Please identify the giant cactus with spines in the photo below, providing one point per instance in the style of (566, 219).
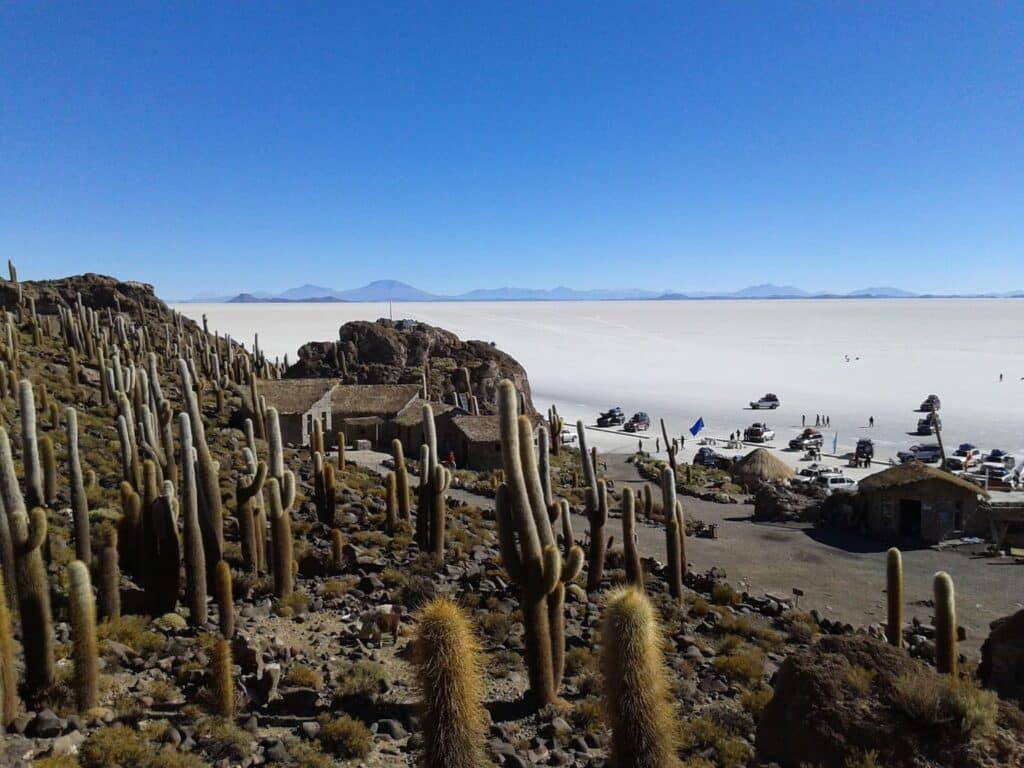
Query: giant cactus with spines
(586, 459)
(556, 423)
(530, 553)
(48, 457)
(34, 495)
(246, 493)
(674, 569)
(195, 555)
(82, 613)
(946, 655)
(391, 503)
(28, 534)
(109, 588)
(634, 570)
(544, 465)
(401, 479)
(449, 671)
(225, 601)
(597, 516)
(129, 529)
(211, 517)
(8, 672)
(434, 482)
(79, 500)
(894, 597)
(636, 684)
(163, 554)
(281, 536)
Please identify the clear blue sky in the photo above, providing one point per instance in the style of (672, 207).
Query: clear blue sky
(225, 147)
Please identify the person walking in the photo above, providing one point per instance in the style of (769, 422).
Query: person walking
(871, 421)
(803, 420)
(817, 420)
(657, 445)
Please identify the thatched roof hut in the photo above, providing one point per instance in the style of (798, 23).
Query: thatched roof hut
(761, 465)
(915, 472)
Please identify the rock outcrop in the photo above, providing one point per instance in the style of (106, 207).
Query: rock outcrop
(1002, 657)
(396, 352)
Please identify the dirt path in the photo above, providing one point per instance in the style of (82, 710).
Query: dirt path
(842, 576)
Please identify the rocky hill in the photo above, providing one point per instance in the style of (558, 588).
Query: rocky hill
(398, 352)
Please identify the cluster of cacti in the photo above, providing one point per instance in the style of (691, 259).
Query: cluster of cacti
(450, 676)
(529, 551)
(946, 655)
(556, 423)
(637, 691)
(465, 383)
(434, 481)
(894, 597)
(324, 488)
(280, 489)
(249, 511)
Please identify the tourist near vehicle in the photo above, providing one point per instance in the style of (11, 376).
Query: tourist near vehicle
(812, 472)
(964, 457)
(769, 401)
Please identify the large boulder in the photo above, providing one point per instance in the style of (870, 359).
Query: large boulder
(850, 696)
(778, 503)
(1002, 657)
(396, 352)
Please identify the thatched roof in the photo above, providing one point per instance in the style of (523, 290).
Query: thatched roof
(478, 429)
(355, 400)
(412, 414)
(915, 472)
(290, 396)
(762, 464)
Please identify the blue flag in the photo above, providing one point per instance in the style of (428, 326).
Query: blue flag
(697, 426)
(835, 442)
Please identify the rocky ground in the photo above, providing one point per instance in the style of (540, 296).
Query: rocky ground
(316, 685)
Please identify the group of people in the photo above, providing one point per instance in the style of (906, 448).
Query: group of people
(819, 420)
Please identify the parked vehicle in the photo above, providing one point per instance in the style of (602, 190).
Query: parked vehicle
(812, 472)
(927, 425)
(638, 423)
(926, 453)
(706, 457)
(568, 436)
(611, 418)
(997, 458)
(994, 475)
(964, 457)
(758, 433)
(833, 483)
(931, 404)
(809, 438)
(865, 450)
(770, 401)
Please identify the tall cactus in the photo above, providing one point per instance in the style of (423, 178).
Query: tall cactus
(391, 503)
(82, 612)
(129, 530)
(597, 515)
(225, 601)
(163, 554)
(634, 571)
(223, 680)
(434, 482)
(211, 516)
(34, 496)
(529, 551)
(246, 492)
(281, 535)
(450, 676)
(8, 673)
(28, 533)
(325, 490)
(946, 655)
(894, 597)
(79, 500)
(556, 423)
(195, 555)
(674, 569)
(636, 685)
(401, 479)
(109, 590)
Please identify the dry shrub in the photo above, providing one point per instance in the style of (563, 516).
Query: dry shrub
(345, 737)
(937, 700)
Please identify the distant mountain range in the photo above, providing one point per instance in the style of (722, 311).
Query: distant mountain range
(395, 290)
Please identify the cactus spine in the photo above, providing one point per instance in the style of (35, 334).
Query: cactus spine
(337, 549)
(401, 479)
(529, 551)
(894, 597)
(636, 686)
(82, 611)
(674, 570)
(195, 554)
(79, 501)
(946, 656)
(450, 677)
(110, 577)
(8, 673)
(634, 571)
(225, 601)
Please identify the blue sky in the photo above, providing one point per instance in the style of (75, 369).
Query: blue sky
(224, 147)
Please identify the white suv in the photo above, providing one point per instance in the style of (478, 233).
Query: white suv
(837, 483)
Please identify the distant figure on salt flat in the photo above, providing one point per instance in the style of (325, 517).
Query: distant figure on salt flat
(803, 420)
(1000, 378)
(871, 421)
